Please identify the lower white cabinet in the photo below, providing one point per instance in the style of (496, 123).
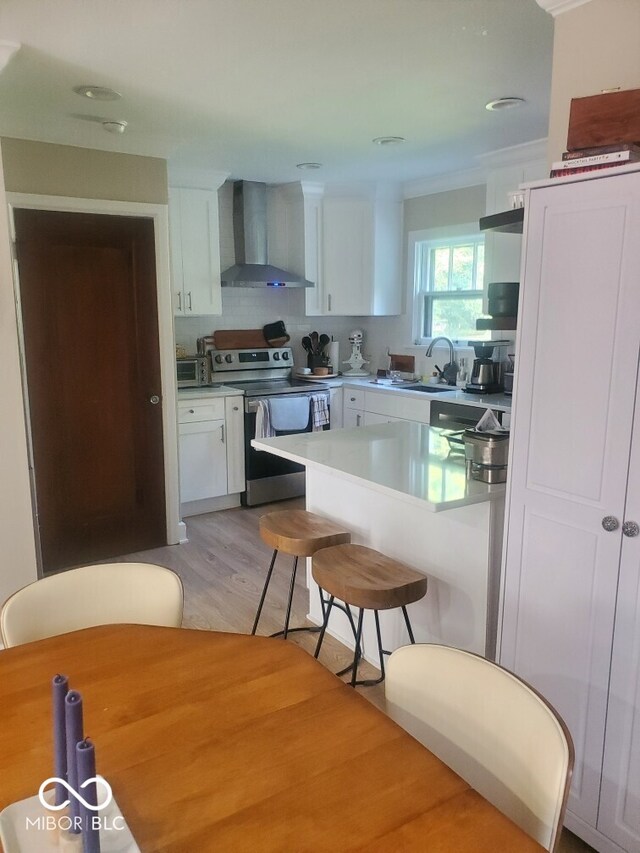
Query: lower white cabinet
(211, 450)
(370, 418)
(352, 418)
(363, 407)
(336, 407)
(203, 460)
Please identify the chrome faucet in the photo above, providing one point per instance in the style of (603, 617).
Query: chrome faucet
(450, 371)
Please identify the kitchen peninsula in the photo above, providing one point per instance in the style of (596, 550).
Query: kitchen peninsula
(400, 489)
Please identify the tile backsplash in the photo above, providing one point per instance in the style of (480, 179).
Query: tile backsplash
(253, 308)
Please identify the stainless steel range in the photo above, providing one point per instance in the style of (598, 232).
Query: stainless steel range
(265, 375)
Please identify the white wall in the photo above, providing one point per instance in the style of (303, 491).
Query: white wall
(18, 560)
(596, 46)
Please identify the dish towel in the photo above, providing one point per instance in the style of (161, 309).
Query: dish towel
(289, 413)
(319, 411)
(263, 421)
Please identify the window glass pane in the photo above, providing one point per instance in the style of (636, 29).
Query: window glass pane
(456, 318)
(480, 268)
(440, 259)
(462, 268)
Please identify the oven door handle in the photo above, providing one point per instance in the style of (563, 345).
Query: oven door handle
(252, 405)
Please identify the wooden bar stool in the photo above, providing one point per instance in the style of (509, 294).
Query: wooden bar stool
(301, 534)
(369, 580)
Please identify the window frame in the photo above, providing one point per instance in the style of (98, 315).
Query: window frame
(451, 236)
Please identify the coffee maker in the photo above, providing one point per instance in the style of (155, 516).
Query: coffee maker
(485, 374)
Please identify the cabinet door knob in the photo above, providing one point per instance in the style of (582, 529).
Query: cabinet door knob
(235, 408)
(192, 411)
(610, 523)
(154, 399)
(630, 528)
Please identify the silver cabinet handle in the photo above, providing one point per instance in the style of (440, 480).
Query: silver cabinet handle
(222, 433)
(358, 417)
(610, 523)
(189, 295)
(192, 411)
(154, 399)
(329, 302)
(179, 300)
(630, 528)
(352, 399)
(235, 408)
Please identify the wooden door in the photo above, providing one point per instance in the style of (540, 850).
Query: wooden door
(579, 334)
(89, 312)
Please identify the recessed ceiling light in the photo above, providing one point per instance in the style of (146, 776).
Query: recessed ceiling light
(388, 140)
(309, 166)
(97, 93)
(114, 126)
(504, 104)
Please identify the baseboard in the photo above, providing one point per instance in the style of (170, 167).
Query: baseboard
(209, 505)
(592, 837)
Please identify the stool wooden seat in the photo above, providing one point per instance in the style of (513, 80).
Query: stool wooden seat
(364, 578)
(301, 534)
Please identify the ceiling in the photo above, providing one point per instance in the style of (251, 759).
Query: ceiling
(253, 87)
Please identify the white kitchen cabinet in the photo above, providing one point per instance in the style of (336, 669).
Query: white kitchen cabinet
(360, 257)
(336, 397)
(370, 418)
(234, 420)
(195, 251)
(352, 418)
(570, 597)
(211, 452)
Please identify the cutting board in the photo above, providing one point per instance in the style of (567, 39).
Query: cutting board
(403, 363)
(238, 339)
(245, 339)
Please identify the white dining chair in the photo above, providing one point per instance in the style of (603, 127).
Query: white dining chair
(108, 593)
(490, 727)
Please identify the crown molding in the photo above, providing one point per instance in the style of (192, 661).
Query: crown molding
(444, 183)
(557, 7)
(515, 155)
(204, 179)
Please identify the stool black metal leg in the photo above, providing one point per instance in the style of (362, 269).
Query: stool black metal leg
(289, 603)
(325, 622)
(347, 610)
(380, 649)
(356, 654)
(264, 592)
(408, 624)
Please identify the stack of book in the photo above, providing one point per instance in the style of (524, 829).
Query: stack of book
(591, 159)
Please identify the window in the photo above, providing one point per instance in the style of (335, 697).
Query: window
(448, 286)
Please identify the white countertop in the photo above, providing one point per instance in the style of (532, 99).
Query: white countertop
(500, 402)
(403, 459)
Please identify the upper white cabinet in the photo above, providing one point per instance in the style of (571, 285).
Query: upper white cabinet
(195, 251)
(348, 244)
(571, 579)
(360, 256)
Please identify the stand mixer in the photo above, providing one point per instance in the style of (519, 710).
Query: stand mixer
(356, 360)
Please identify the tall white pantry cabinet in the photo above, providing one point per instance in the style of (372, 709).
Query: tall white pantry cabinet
(571, 576)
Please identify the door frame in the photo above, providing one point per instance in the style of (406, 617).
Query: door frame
(159, 213)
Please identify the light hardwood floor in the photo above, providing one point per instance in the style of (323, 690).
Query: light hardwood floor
(223, 567)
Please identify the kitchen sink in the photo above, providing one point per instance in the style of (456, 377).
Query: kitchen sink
(430, 389)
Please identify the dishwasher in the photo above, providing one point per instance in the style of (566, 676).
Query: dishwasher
(458, 416)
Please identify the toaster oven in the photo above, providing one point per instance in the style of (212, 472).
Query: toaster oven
(193, 371)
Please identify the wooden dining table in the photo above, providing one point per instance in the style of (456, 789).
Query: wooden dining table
(227, 742)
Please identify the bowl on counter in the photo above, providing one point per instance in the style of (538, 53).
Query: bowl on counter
(320, 371)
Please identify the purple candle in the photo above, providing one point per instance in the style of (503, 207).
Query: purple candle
(86, 763)
(59, 689)
(73, 720)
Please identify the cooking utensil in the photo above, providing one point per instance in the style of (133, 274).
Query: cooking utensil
(306, 343)
(324, 340)
(314, 342)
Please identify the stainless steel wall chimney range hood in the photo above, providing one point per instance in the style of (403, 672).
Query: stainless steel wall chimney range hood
(250, 239)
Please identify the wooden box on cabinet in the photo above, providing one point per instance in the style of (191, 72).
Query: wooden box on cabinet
(606, 119)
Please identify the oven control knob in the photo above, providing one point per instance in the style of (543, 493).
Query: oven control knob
(285, 356)
(228, 358)
(218, 359)
(276, 356)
